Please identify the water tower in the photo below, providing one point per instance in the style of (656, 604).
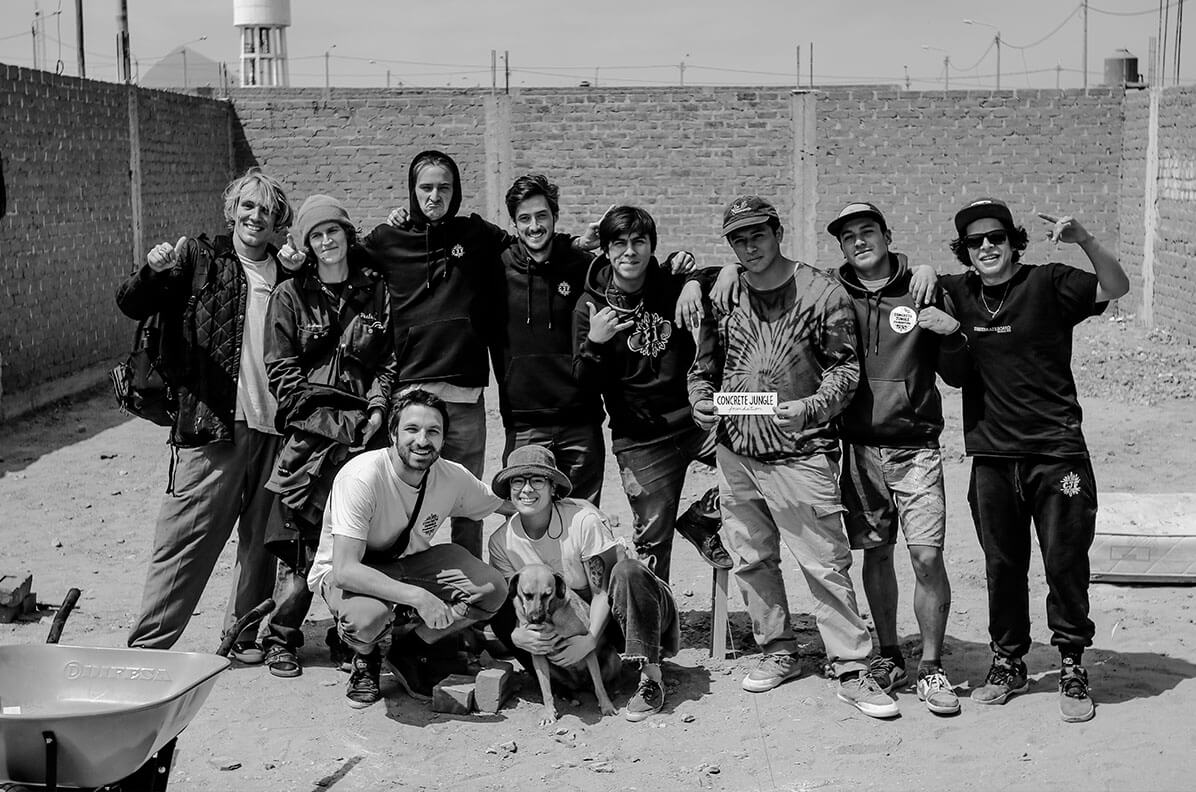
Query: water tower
(263, 25)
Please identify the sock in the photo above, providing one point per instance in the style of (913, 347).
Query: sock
(894, 654)
(928, 665)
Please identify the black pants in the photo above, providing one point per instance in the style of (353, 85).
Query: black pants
(1059, 495)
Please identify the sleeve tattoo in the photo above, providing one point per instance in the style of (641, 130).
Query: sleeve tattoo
(596, 569)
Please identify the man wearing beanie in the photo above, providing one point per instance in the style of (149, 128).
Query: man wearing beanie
(792, 337)
(1021, 423)
(892, 470)
(212, 298)
(330, 362)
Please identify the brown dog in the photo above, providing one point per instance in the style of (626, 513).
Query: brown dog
(541, 597)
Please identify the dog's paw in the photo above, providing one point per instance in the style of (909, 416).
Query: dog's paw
(606, 707)
(549, 717)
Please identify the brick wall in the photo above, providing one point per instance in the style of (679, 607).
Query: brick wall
(67, 238)
(1132, 197)
(1175, 237)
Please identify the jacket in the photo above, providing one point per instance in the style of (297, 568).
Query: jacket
(532, 353)
(311, 340)
(641, 371)
(442, 278)
(897, 403)
(798, 341)
(201, 333)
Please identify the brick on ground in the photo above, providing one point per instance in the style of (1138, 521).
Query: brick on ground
(454, 695)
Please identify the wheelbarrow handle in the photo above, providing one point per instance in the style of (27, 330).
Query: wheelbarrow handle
(64, 610)
(230, 635)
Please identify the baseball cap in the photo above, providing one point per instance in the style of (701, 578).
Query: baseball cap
(748, 210)
(851, 212)
(980, 208)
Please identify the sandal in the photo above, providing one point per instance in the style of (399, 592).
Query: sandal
(283, 662)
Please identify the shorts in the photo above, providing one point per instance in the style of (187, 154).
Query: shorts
(885, 487)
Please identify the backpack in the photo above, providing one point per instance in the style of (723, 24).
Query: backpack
(140, 383)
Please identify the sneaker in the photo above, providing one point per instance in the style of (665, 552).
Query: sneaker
(363, 688)
(888, 673)
(699, 525)
(247, 652)
(1005, 679)
(1075, 700)
(772, 670)
(935, 689)
(865, 694)
(648, 700)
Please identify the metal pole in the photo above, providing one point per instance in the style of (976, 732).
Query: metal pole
(185, 86)
(388, 79)
(327, 83)
(33, 32)
(998, 60)
(79, 36)
(906, 77)
(493, 71)
(506, 64)
(811, 64)
(797, 69)
(946, 72)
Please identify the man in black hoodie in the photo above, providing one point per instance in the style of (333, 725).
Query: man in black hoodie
(626, 347)
(892, 470)
(532, 352)
(440, 269)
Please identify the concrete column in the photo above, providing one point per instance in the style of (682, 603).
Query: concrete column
(500, 156)
(1150, 210)
(135, 177)
(801, 226)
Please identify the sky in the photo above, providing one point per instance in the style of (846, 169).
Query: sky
(630, 42)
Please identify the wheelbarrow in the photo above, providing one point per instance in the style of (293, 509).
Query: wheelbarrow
(97, 718)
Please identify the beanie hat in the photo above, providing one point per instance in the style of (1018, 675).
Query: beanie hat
(319, 209)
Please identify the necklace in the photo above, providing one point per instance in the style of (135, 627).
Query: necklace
(992, 312)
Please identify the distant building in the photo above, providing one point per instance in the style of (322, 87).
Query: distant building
(263, 25)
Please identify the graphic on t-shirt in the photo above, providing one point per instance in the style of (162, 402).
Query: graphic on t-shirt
(564, 289)
(650, 335)
(428, 526)
(458, 251)
(903, 319)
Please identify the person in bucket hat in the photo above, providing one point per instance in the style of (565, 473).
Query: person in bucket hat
(631, 610)
(1022, 429)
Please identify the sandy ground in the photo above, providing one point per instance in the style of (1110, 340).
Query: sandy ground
(80, 484)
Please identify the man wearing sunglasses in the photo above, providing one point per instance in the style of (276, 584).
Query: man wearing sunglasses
(1022, 429)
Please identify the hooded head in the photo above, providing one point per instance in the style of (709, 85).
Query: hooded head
(434, 184)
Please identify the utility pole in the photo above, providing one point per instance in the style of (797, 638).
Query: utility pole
(506, 64)
(185, 85)
(998, 40)
(388, 79)
(79, 36)
(33, 32)
(811, 65)
(122, 43)
(946, 72)
(327, 73)
(797, 69)
(1085, 5)
(906, 67)
(682, 68)
(493, 71)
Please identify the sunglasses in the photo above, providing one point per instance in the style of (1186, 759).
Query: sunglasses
(995, 238)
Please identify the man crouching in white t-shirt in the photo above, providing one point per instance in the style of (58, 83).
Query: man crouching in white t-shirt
(375, 549)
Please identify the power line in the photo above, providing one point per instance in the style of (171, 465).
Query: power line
(1058, 27)
(1136, 13)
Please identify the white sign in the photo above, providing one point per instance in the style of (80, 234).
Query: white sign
(745, 403)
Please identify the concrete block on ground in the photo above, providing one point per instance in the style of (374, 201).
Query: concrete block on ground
(493, 687)
(454, 695)
(16, 596)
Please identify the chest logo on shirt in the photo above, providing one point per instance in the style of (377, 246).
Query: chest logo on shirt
(1069, 485)
(458, 251)
(428, 526)
(650, 335)
(564, 289)
(903, 319)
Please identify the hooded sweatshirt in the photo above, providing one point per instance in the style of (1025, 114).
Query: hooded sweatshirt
(641, 371)
(896, 404)
(442, 277)
(533, 352)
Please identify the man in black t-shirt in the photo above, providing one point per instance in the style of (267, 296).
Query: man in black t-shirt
(1022, 429)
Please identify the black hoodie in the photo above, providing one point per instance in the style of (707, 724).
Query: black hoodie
(442, 278)
(897, 403)
(533, 352)
(642, 376)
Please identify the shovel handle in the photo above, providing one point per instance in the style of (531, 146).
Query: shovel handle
(231, 634)
(64, 610)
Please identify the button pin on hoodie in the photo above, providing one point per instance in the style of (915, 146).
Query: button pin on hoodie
(903, 319)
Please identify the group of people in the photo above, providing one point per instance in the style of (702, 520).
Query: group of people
(330, 405)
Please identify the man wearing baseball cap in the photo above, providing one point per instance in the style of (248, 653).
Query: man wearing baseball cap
(792, 338)
(1022, 429)
(892, 469)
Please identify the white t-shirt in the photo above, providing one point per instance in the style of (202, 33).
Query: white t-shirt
(584, 532)
(370, 502)
(255, 405)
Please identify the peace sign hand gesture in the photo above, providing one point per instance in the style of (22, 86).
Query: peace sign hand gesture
(1065, 229)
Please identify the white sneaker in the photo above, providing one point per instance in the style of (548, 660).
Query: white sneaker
(935, 689)
(772, 670)
(866, 695)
